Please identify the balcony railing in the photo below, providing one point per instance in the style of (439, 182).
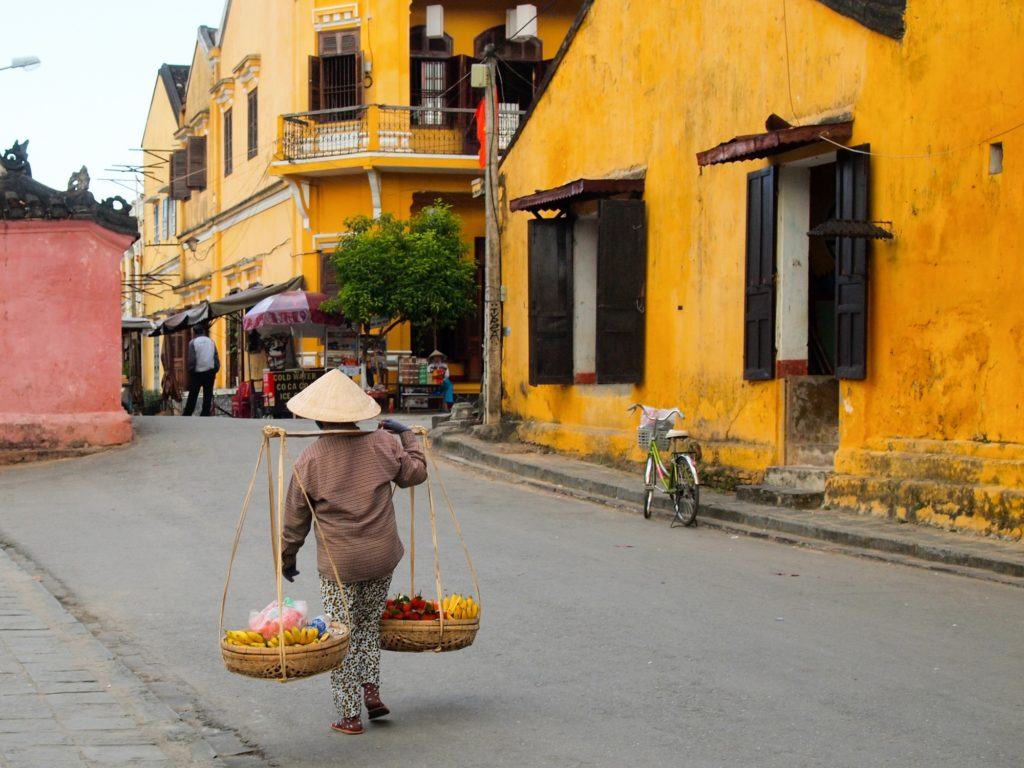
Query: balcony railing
(328, 133)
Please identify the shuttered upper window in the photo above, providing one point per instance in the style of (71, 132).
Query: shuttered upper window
(228, 142)
(195, 154)
(252, 132)
(179, 175)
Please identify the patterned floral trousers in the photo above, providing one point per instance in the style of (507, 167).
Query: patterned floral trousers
(365, 600)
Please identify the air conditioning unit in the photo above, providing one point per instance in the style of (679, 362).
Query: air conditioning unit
(521, 22)
(435, 21)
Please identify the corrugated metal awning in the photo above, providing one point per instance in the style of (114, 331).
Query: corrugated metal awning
(780, 137)
(250, 297)
(863, 230)
(574, 192)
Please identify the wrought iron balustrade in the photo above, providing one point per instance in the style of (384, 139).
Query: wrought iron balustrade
(425, 130)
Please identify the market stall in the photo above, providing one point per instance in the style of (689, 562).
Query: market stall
(281, 321)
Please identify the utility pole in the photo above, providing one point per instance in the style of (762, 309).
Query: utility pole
(493, 328)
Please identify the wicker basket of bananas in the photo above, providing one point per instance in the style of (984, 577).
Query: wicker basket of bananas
(413, 624)
(306, 651)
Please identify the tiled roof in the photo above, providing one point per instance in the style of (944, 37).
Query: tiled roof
(175, 78)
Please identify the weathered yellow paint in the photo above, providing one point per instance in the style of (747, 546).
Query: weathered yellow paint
(156, 258)
(248, 225)
(946, 328)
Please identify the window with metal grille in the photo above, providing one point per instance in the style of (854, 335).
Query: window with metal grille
(432, 87)
(339, 82)
(228, 142)
(253, 132)
(156, 222)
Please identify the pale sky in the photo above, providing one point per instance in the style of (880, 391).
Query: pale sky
(86, 103)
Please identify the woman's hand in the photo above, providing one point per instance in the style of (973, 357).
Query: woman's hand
(290, 572)
(393, 426)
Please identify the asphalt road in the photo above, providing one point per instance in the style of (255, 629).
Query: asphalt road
(606, 640)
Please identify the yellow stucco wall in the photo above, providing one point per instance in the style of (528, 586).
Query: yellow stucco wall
(946, 333)
(247, 225)
(161, 124)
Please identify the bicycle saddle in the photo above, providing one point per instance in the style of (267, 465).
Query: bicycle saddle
(677, 433)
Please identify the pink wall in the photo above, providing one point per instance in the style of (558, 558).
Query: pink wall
(60, 336)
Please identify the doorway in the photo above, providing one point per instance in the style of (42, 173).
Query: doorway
(806, 311)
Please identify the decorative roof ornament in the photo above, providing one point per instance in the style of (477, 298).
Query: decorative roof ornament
(15, 159)
(23, 198)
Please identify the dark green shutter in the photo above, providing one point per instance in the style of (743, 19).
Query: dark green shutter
(551, 300)
(179, 175)
(621, 287)
(195, 152)
(852, 203)
(759, 294)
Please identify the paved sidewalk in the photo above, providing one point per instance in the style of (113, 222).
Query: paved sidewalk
(863, 535)
(64, 702)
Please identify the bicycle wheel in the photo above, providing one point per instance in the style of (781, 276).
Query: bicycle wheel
(649, 475)
(686, 496)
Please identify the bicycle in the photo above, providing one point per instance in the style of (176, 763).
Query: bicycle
(679, 477)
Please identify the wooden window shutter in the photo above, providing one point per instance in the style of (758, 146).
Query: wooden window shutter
(229, 142)
(415, 82)
(852, 203)
(550, 301)
(358, 57)
(328, 276)
(621, 291)
(252, 122)
(195, 151)
(338, 42)
(315, 90)
(759, 294)
(179, 174)
(454, 68)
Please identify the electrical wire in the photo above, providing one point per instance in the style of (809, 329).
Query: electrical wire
(924, 155)
(545, 9)
(510, 69)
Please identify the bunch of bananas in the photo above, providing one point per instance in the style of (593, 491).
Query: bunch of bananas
(459, 607)
(294, 636)
(245, 637)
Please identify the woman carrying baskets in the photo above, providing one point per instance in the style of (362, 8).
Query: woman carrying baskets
(347, 478)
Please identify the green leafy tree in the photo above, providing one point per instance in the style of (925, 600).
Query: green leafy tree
(395, 271)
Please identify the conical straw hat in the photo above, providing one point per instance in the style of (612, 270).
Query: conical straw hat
(334, 397)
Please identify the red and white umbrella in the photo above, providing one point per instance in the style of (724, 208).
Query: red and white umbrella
(295, 312)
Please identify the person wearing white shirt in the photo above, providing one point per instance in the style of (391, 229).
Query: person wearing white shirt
(203, 364)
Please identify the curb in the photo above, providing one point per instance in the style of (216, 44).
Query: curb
(732, 516)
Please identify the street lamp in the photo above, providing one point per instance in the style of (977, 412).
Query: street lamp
(23, 62)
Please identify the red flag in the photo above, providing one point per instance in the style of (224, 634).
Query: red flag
(481, 131)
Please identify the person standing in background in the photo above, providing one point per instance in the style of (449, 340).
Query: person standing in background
(202, 364)
(437, 365)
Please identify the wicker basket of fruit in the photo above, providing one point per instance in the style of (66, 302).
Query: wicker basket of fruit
(307, 652)
(416, 625)
(279, 643)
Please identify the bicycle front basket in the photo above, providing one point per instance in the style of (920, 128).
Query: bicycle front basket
(657, 432)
